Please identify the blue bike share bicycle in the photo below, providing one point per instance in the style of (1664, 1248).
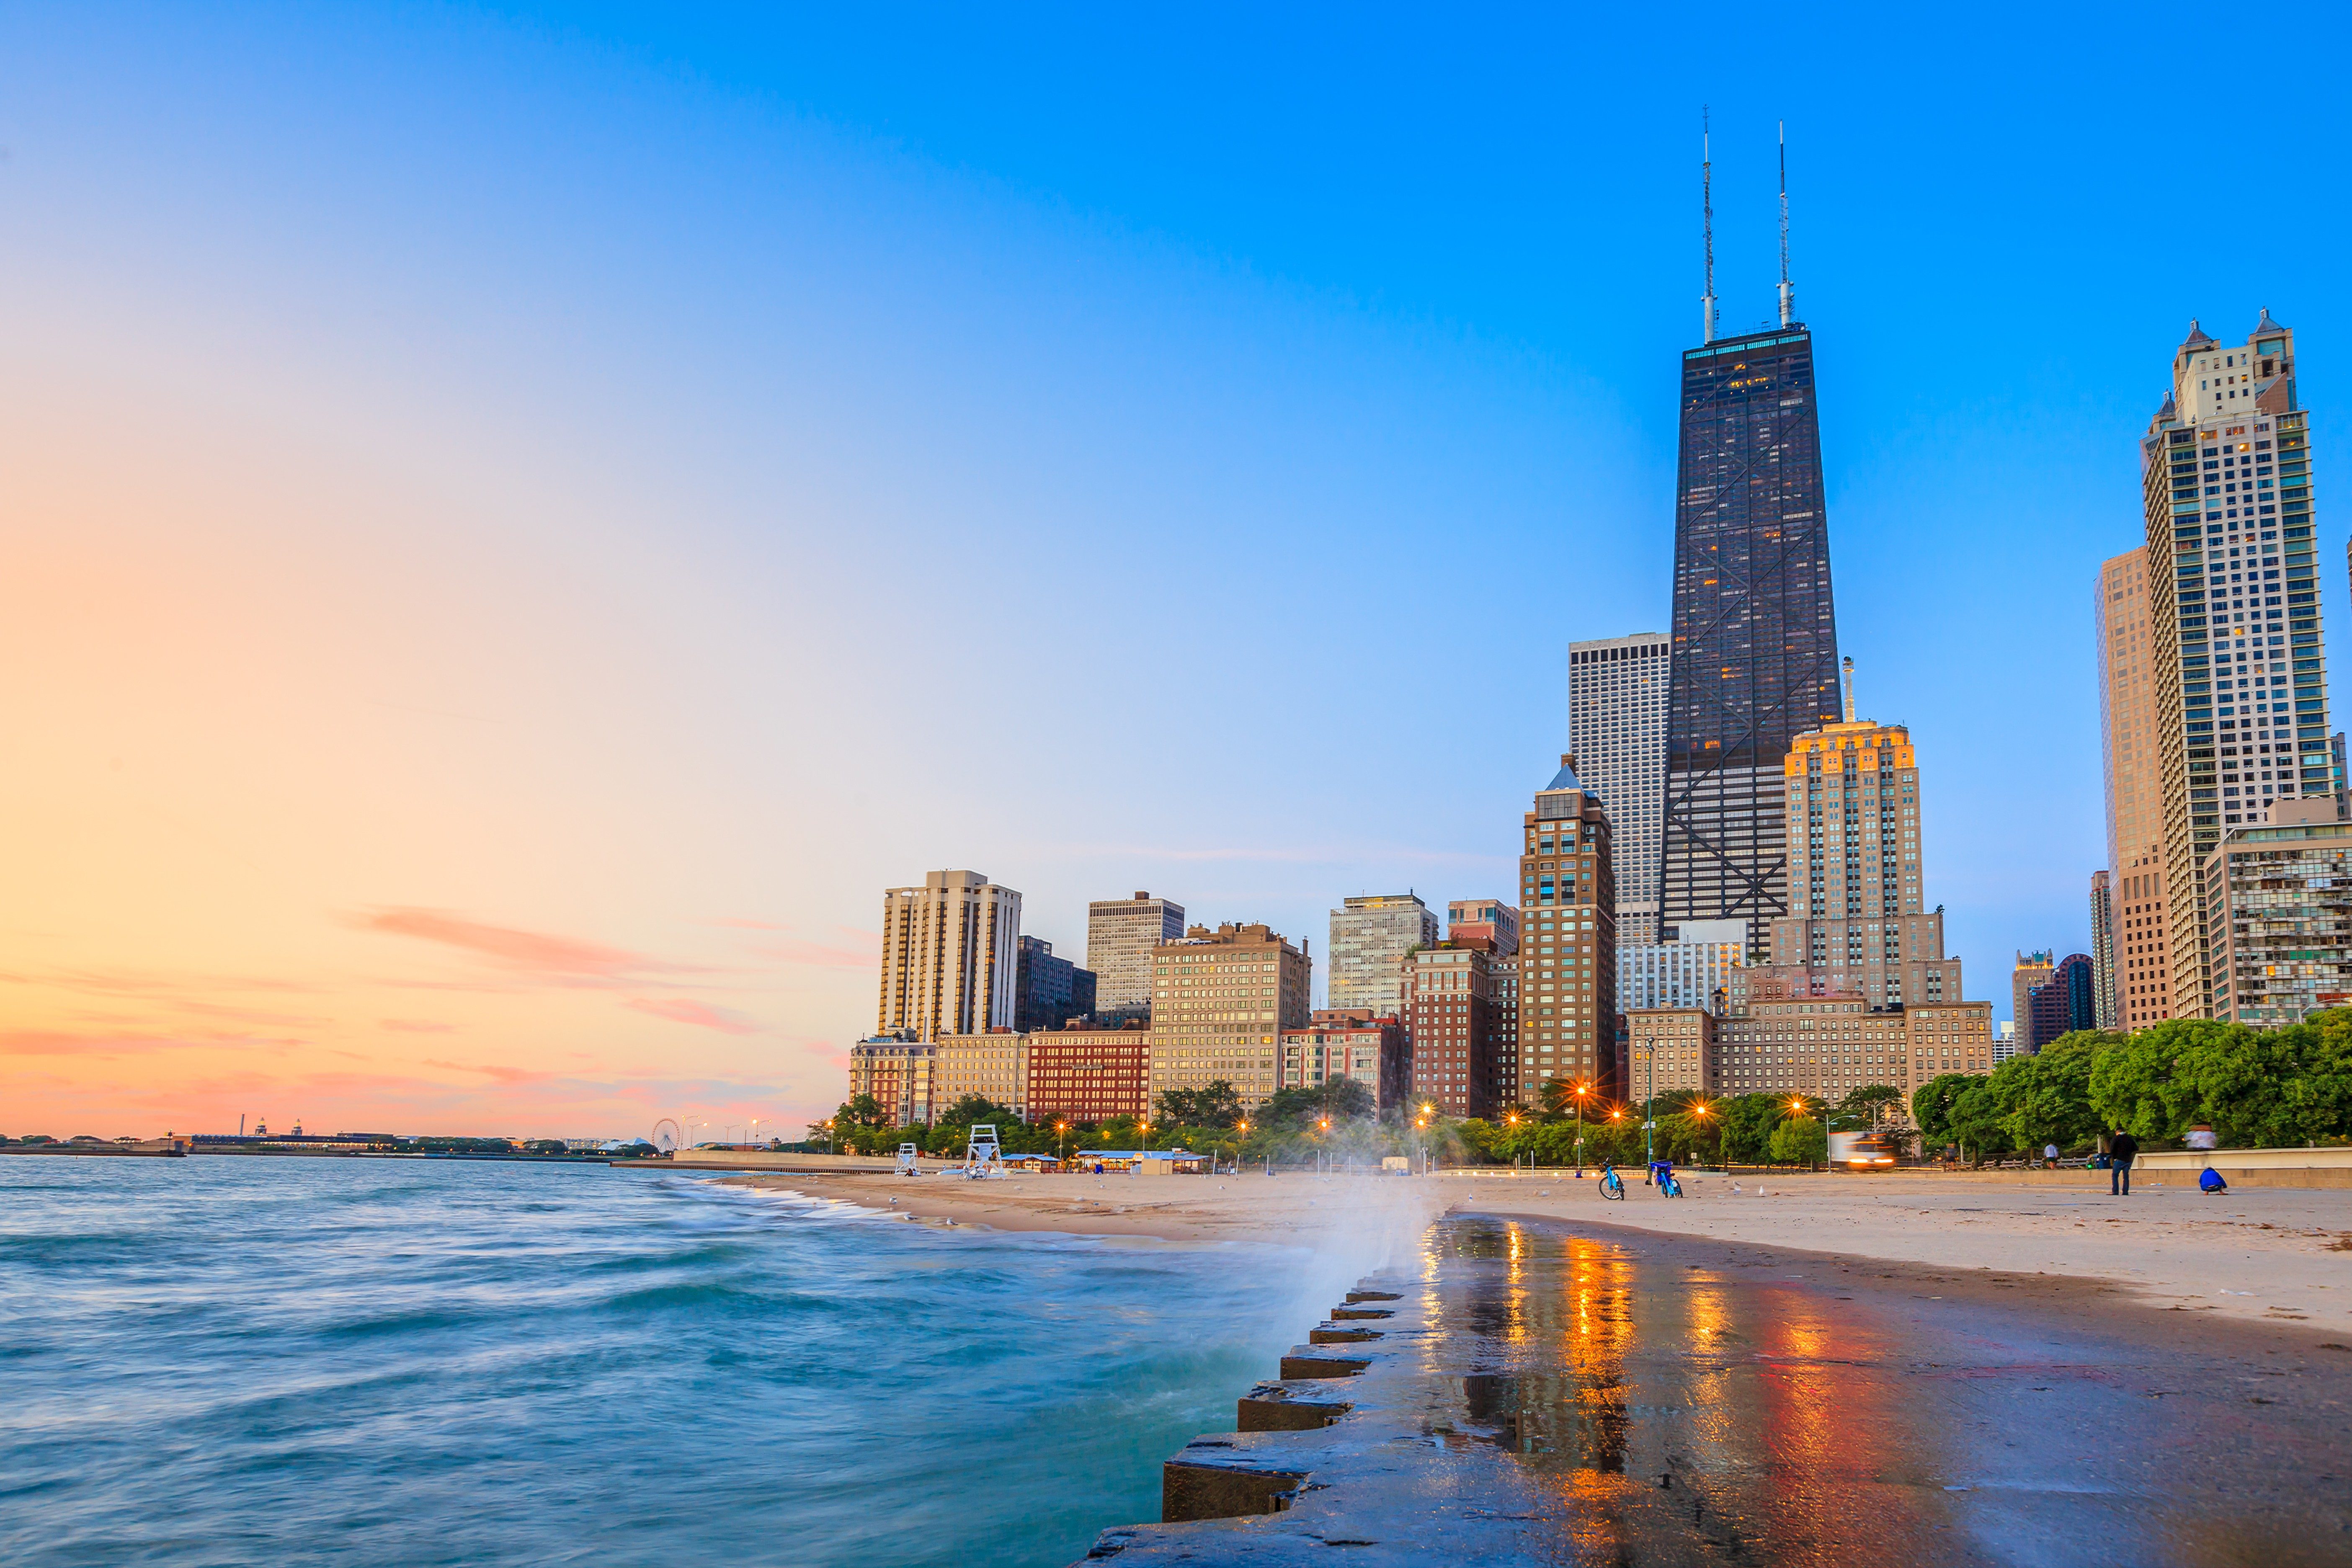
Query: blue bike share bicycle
(1613, 1185)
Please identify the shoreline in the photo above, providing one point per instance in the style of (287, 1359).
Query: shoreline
(2273, 1255)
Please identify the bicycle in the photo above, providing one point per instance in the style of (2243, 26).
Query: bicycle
(1613, 1185)
(1670, 1186)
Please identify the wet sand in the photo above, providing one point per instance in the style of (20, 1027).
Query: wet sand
(2280, 1256)
(1550, 1391)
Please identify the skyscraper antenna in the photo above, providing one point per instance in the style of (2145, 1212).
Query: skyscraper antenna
(1788, 293)
(1706, 198)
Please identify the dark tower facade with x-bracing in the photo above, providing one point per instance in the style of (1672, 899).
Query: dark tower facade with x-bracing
(1755, 634)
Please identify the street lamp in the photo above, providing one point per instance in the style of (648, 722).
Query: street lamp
(1581, 1090)
(1061, 1136)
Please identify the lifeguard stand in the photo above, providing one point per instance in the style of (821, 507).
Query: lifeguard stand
(983, 1158)
(907, 1165)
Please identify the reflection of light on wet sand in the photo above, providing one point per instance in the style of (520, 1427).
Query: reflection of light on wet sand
(1623, 1374)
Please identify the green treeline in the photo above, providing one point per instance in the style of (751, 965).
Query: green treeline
(2257, 1089)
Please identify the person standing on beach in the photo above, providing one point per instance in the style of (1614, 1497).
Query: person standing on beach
(2121, 1147)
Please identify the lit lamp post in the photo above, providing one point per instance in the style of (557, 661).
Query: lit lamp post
(1242, 1127)
(1581, 1090)
(1650, 1115)
(1061, 1137)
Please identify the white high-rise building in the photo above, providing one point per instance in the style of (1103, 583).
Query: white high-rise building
(1691, 971)
(1121, 935)
(2239, 676)
(1369, 938)
(1617, 733)
(950, 956)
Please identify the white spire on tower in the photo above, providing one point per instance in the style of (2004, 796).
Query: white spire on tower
(1787, 289)
(1706, 198)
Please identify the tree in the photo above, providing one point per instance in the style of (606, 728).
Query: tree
(1336, 1100)
(1931, 1105)
(973, 1110)
(1219, 1104)
(2046, 1097)
(1747, 1122)
(1688, 1124)
(1559, 1096)
(1801, 1140)
(1866, 1106)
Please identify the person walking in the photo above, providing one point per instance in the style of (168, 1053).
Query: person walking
(2121, 1147)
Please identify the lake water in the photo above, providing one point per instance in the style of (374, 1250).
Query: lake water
(236, 1360)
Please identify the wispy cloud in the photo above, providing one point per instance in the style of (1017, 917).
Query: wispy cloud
(552, 958)
(679, 1010)
(817, 955)
(493, 1071)
(127, 1042)
(415, 1026)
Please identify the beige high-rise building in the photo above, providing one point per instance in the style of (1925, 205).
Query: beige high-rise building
(1219, 1001)
(994, 1066)
(1822, 1046)
(2237, 671)
(1369, 937)
(950, 956)
(1858, 923)
(2127, 634)
(1670, 1048)
(1122, 934)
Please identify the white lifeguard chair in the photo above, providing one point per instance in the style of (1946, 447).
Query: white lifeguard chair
(983, 1157)
(907, 1165)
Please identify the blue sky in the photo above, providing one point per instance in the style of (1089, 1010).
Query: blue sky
(653, 470)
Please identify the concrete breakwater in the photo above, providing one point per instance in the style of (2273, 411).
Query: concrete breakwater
(1350, 1446)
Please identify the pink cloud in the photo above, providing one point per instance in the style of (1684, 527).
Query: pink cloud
(553, 957)
(678, 1010)
(818, 956)
(120, 1042)
(61, 1043)
(415, 1026)
(494, 1072)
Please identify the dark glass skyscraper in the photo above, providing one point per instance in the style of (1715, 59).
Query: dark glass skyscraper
(1755, 635)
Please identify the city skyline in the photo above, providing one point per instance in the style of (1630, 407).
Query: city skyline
(458, 468)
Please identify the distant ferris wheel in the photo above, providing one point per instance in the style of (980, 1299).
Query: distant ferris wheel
(667, 1136)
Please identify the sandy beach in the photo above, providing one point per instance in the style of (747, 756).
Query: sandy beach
(2275, 1255)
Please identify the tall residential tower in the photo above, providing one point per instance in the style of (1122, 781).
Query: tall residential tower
(2239, 667)
(950, 955)
(1617, 730)
(1568, 940)
(2120, 613)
